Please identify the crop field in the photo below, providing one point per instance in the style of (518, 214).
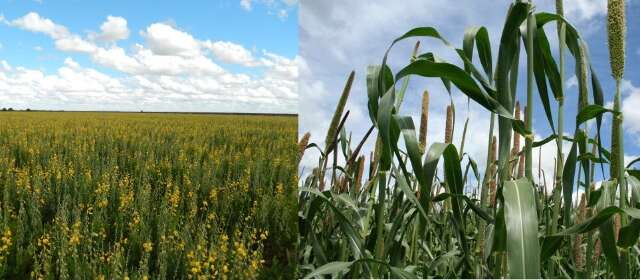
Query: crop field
(413, 206)
(147, 196)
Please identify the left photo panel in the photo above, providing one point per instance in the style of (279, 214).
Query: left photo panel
(148, 140)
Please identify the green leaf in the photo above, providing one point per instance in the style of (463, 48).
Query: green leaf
(629, 234)
(481, 38)
(329, 268)
(400, 273)
(523, 249)
(344, 222)
(385, 112)
(590, 112)
(519, 127)
(568, 177)
(507, 59)
(540, 77)
(458, 77)
(373, 94)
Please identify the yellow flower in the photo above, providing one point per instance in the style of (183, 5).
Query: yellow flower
(147, 246)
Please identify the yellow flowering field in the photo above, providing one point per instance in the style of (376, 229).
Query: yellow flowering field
(147, 196)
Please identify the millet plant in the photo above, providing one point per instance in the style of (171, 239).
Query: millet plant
(408, 216)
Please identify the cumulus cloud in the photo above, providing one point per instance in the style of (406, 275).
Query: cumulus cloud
(89, 88)
(164, 39)
(231, 53)
(33, 22)
(171, 67)
(115, 28)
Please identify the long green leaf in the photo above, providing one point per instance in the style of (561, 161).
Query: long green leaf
(523, 249)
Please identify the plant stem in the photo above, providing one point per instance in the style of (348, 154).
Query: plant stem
(619, 138)
(380, 217)
(531, 24)
(559, 140)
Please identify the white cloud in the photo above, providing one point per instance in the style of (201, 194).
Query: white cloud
(231, 53)
(115, 28)
(163, 39)
(34, 23)
(281, 67)
(64, 40)
(74, 86)
(38, 48)
(169, 72)
(75, 44)
(585, 9)
(245, 4)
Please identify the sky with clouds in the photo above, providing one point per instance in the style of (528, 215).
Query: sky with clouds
(205, 56)
(337, 37)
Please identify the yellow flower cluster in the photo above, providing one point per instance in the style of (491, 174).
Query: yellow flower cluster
(167, 183)
(147, 247)
(75, 234)
(5, 244)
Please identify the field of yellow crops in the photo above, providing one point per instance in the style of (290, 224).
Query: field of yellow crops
(147, 196)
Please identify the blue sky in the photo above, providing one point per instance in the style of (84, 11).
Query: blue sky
(228, 55)
(337, 37)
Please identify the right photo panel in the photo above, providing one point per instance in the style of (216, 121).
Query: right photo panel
(469, 139)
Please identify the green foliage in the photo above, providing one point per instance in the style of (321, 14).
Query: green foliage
(161, 196)
(414, 217)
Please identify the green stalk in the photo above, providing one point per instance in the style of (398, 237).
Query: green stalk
(484, 193)
(531, 25)
(559, 140)
(618, 137)
(380, 218)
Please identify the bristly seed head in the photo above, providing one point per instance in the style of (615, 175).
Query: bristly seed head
(424, 121)
(448, 130)
(583, 98)
(616, 30)
(337, 115)
(302, 145)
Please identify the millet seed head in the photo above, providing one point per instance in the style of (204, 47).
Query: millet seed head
(448, 130)
(616, 30)
(302, 145)
(424, 121)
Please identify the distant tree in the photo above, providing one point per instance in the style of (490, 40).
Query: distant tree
(4, 109)
(28, 109)
(10, 109)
